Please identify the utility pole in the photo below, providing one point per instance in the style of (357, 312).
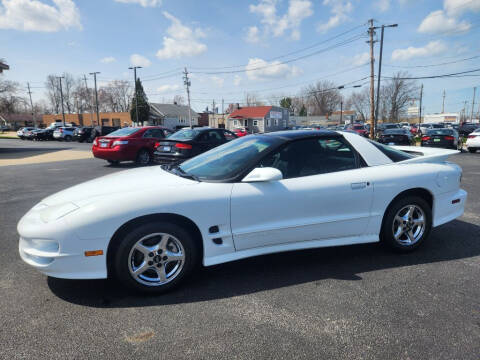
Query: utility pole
(473, 103)
(61, 97)
(96, 95)
(377, 104)
(136, 90)
(341, 111)
(187, 84)
(420, 108)
(371, 32)
(31, 104)
(443, 102)
(213, 112)
(88, 92)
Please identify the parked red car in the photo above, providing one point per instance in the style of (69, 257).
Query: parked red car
(129, 144)
(360, 129)
(240, 132)
(413, 129)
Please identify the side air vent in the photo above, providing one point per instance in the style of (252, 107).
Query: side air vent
(213, 229)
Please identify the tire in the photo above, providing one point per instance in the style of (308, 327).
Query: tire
(472, 150)
(143, 157)
(113, 162)
(159, 275)
(68, 138)
(406, 241)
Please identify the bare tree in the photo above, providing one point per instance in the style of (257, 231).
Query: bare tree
(53, 93)
(360, 102)
(323, 97)
(395, 96)
(179, 99)
(10, 100)
(251, 99)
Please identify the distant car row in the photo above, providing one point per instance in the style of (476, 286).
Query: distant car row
(65, 133)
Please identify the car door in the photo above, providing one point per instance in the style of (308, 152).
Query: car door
(324, 195)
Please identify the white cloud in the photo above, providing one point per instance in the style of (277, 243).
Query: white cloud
(361, 59)
(439, 22)
(258, 69)
(252, 35)
(182, 40)
(144, 3)
(34, 15)
(237, 80)
(218, 81)
(167, 88)
(139, 60)
(383, 5)
(108, 60)
(447, 20)
(273, 24)
(340, 10)
(432, 48)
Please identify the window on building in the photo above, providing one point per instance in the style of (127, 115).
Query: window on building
(235, 122)
(245, 122)
(268, 122)
(275, 122)
(116, 122)
(255, 122)
(105, 122)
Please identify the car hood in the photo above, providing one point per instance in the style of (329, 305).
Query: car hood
(123, 182)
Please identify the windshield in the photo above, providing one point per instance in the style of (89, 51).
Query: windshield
(358, 127)
(184, 134)
(228, 160)
(391, 126)
(124, 131)
(437, 126)
(395, 132)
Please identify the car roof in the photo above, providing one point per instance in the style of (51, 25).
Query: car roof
(301, 134)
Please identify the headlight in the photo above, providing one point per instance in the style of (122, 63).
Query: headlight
(120, 142)
(55, 212)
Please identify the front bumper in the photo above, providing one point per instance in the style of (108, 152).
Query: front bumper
(54, 249)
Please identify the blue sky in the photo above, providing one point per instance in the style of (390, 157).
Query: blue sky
(41, 37)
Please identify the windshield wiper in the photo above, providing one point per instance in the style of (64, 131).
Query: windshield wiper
(180, 172)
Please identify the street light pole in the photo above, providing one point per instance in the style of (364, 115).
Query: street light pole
(61, 97)
(96, 95)
(136, 91)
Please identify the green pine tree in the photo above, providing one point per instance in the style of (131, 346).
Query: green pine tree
(303, 111)
(141, 102)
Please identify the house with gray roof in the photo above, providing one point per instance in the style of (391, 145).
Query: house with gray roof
(172, 116)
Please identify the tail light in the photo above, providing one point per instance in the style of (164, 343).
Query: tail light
(157, 144)
(471, 136)
(183, 146)
(95, 143)
(119, 142)
(450, 138)
(425, 138)
(61, 130)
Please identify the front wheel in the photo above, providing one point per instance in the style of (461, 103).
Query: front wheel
(156, 257)
(407, 224)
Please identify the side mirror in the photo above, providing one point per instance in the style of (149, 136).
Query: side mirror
(263, 175)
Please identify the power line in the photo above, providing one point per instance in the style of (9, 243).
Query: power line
(433, 65)
(432, 76)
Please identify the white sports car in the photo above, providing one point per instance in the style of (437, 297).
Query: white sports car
(150, 227)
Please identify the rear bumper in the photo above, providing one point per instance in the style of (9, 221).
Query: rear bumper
(473, 143)
(444, 145)
(449, 206)
(115, 154)
(170, 159)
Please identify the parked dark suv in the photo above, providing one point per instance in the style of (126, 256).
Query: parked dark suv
(101, 131)
(467, 128)
(82, 134)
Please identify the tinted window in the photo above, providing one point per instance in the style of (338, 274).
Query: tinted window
(393, 154)
(229, 160)
(153, 133)
(440, 132)
(391, 126)
(395, 132)
(124, 131)
(229, 135)
(437, 126)
(311, 157)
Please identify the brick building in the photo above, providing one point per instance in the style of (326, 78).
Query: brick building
(88, 119)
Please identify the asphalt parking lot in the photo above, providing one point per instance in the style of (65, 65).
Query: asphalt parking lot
(357, 302)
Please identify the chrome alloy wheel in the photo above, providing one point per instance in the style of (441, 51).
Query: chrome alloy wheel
(409, 225)
(156, 259)
(143, 157)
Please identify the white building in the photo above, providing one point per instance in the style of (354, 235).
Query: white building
(439, 118)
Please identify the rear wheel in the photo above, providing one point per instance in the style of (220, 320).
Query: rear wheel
(68, 138)
(472, 150)
(113, 162)
(143, 157)
(407, 224)
(155, 258)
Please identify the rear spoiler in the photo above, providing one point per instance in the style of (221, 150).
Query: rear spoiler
(426, 154)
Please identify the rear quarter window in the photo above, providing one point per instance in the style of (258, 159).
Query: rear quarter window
(393, 154)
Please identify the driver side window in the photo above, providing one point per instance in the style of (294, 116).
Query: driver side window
(312, 157)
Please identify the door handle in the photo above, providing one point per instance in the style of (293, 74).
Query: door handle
(359, 185)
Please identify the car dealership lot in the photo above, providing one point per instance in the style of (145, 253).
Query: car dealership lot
(345, 302)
